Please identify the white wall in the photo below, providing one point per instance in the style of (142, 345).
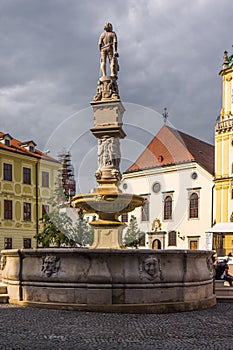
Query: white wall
(178, 179)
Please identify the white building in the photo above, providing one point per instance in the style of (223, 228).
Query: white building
(175, 174)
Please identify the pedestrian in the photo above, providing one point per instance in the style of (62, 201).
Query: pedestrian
(222, 272)
(226, 275)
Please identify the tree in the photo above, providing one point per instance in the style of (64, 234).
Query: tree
(54, 228)
(58, 229)
(83, 233)
(57, 225)
(132, 235)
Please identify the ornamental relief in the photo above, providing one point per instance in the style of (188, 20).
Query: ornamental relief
(150, 269)
(50, 265)
(210, 266)
(109, 152)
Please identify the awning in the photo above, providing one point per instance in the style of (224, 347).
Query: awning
(222, 227)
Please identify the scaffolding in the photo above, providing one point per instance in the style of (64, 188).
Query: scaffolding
(66, 178)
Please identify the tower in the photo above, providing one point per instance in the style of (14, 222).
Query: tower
(224, 150)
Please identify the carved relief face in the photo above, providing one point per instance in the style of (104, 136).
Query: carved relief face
(151, 266)
(50, 265)
(150, 269)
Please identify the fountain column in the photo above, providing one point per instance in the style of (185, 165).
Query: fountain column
(106, 199)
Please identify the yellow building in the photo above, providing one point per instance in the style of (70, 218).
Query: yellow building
(224, 157)
(27, 183)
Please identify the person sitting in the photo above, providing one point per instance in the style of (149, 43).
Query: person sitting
(226, 276)
(219, 268)
(222, 272)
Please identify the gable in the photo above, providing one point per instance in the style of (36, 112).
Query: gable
(170, 147)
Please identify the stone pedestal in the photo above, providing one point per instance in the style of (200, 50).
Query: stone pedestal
(108, 130)
(107, 116)
(107, 236)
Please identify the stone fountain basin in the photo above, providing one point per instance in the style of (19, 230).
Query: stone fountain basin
(108, 280)
(116, 203)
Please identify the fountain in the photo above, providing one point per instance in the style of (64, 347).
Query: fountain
(106, 199)
(106, 277)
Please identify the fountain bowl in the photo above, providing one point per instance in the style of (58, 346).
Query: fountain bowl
(108, 280)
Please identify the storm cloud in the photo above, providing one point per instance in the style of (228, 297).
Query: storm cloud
(170, 56)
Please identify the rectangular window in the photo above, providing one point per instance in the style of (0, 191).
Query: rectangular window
(7, 243)
(27, 243)
(7, 172)
(172, 236)
(7, 142)
(45, 179)
(142, 239)
(27, 212)
(27, 176)
(145, 211)
(124, 217)
(7, 209)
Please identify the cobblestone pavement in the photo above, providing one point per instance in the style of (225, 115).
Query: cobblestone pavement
(32, 328)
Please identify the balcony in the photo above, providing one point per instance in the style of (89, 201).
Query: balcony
(225, 125)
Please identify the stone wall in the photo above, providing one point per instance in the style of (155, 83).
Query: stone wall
(127, 280)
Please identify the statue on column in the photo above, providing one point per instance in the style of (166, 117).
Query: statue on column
(108, 49)
(107, 88)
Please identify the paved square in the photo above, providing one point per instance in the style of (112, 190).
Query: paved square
(32, 328)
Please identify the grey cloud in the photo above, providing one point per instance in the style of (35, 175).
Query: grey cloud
(170, 56)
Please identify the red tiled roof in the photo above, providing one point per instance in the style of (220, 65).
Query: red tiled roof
(17, 147)
(170, 147)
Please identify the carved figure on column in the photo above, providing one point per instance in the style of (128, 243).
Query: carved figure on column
(108, 49)
(115, 153)
(100, 153)
(109, 152)
(107, 88)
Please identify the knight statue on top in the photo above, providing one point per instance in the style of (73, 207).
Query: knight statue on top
(108, 48)
(107, 85)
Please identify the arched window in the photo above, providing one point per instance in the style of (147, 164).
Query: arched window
(167, 214)
(193, 206)
(172, 238)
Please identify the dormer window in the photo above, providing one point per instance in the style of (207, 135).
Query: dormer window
(29, 145)
(6, 139)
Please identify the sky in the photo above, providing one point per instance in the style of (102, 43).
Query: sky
(171, 53)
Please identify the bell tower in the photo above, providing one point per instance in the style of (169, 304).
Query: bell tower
(224, 146)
